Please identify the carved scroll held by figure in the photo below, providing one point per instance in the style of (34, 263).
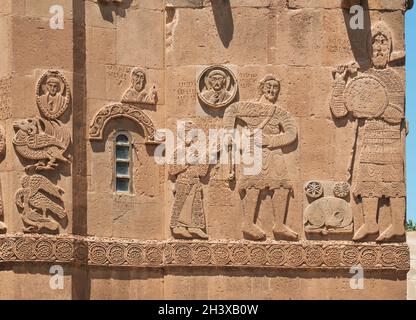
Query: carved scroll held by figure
(188, 217)
(217, 86)
(376, 98)
(136, 94)
(34, 202)
(278, 130)
(52, 94)
(42, 140)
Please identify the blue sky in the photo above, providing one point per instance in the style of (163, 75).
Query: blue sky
(411, 111)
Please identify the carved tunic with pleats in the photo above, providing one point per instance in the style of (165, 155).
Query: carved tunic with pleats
(279, 127)
(379, 164)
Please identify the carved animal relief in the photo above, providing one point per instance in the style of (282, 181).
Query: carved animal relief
(52, 94)
(43, 140)
(327, 214)
(40, 204)
(217, 86)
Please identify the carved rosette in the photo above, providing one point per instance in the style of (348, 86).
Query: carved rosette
(119, 110)
(132, 253)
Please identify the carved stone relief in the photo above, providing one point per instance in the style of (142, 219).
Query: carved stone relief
(136, 94)
(52, 94)
(5, 98)
(188, 218)
(38, 210)
(3, 226)
(375, 98)
(278, 130)
(44, 140)
(118, 110)
(217, 86)
(111, 1)
(325, 213)
(97, 251)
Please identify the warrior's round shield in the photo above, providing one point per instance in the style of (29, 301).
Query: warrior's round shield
(366, 97)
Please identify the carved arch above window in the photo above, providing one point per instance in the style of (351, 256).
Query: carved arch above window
(118, 110)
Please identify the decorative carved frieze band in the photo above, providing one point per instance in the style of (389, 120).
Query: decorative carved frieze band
(119, 110)
(133, 253)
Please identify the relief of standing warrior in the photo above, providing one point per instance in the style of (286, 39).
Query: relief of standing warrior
(278, 130)
(376, 98)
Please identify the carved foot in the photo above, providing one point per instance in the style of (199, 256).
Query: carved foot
(253, 232)
(181, 233)
(284, 232)
(390, 233)
(3, 227)
(198, 233)
(364, 231)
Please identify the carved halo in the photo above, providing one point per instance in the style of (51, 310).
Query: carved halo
(64, 92)
(118, 110)
(203, 85)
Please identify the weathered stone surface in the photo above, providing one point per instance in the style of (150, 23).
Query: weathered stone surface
(87, 113)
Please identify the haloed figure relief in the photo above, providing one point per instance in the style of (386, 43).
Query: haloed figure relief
(375, 97)
(278, 130)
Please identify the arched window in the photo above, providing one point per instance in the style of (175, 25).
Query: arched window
(122, 163)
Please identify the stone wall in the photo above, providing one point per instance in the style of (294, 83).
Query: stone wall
(81, 187)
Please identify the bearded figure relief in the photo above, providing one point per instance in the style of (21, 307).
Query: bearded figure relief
(52, 94)
(374, 97)
(278, 130)
(217, 86)
(136, 94)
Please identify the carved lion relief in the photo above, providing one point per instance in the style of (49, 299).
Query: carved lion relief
(52, 94)
(217, 86)
(40, 204)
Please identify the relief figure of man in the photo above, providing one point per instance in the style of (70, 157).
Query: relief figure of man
(278, 130)
(216, 87)
(375, 98)
(52, 99)
(136, 92)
